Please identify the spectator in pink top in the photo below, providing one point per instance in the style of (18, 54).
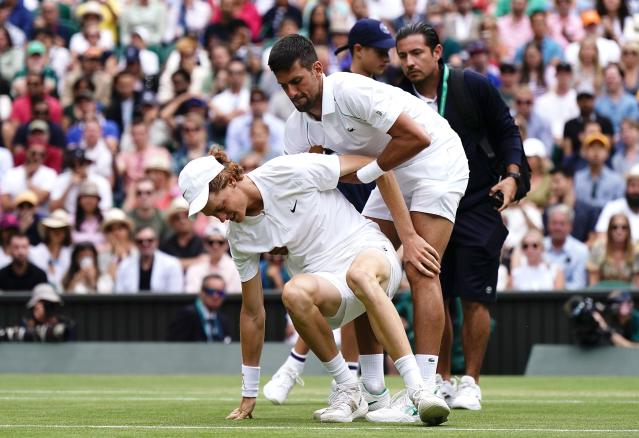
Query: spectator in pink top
(514, 28)
(564, 24)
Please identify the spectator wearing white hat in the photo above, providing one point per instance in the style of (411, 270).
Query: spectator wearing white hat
(53, 255)
(149, 270)
(88, 217)
(26, 204)
(158, 170)
(91, 16)
(536, 155)
(527, 214)
(597, 184)
(118, 233)
(218, 262)
(628, 205)
(183, 243)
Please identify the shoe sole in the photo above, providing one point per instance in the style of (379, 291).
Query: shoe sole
(466, 407)
(404, 420)
(433, 413)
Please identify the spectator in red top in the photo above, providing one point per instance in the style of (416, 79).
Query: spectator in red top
(38, 133)
(21, 111)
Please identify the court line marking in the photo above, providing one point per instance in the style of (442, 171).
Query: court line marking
(415, 428)
(81, 397)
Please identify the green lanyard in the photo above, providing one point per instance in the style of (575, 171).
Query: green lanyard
(442, 100)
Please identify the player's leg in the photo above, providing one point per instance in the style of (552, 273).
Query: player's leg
(371, 364)
(429, 316)
(311, 299)
(443, 379)
(477, 288)
(279, 387)
(349, 347)
(369, 277)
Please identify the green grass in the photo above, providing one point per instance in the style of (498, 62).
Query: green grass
(170, 406)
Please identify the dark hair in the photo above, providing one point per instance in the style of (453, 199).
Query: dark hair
(67, 236)
(80, 215)
(290, 49)
(565, 171)
(18, 234)
(74, 267)
(212, 277)
(623, 10)
(232, 171)
(7, 35)
(526, 68)
(181, 72)
(83, 80)
(431, 39)
(616, 66)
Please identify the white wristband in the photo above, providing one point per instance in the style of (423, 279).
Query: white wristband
(250, 381)
(370, 172)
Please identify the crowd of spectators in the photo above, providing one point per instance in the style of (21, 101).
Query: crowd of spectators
(103, 102)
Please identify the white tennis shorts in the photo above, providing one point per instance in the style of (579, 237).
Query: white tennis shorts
(351, 307)
(433, 185)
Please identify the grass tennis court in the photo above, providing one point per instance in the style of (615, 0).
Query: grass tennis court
(170, 406)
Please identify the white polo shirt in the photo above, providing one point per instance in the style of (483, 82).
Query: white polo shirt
(357, 112)
(304, 212)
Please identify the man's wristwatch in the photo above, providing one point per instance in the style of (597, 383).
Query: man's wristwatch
(515, 175)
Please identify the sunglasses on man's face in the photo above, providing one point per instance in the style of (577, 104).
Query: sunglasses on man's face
(216, 242)
(213, 292)
(144, 241)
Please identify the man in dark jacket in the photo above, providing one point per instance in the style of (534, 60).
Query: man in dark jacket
(470, 263)
(203, 321)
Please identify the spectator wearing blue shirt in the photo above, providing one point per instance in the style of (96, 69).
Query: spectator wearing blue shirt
(564, 250)
(616, 103)
(597, 184)
(551, 51)
(536, 127)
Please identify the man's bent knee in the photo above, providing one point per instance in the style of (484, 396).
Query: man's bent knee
(295, 298)
(363, 283)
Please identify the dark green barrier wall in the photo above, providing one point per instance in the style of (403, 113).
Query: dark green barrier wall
(522, 319)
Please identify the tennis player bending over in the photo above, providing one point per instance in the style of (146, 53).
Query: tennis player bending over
(342, 265)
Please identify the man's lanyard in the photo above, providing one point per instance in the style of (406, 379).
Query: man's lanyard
(444, 95)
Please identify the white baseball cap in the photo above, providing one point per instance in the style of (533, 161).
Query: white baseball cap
(533, 147)
(194, 181)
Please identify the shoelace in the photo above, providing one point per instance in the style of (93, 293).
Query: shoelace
(284, 377)
(340, 398)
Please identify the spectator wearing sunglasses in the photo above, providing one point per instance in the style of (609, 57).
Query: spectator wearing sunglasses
(218, 262)
(614, 261)
(149, 270)
(183, 243)
(144, 213)
(535, 274)
(203, 321)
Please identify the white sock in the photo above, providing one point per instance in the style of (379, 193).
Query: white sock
(408, 369)
(428, 368)
(372, 366)
(296, 361)
(339, 370)
(354, 367)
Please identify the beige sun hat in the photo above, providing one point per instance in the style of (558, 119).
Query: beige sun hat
(116, 216)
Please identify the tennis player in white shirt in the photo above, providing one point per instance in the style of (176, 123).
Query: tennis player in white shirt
(352, 114)
(342, 265)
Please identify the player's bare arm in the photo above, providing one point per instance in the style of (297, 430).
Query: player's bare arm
(408, 139)
(251, 339)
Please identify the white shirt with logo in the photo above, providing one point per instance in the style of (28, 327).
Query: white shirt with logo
(304, 212)
(357, 112)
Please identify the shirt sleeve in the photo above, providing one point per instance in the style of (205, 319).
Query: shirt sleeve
(375, 103)
(248, 265)
(604, 218)
(317, 170)
(294, 141)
